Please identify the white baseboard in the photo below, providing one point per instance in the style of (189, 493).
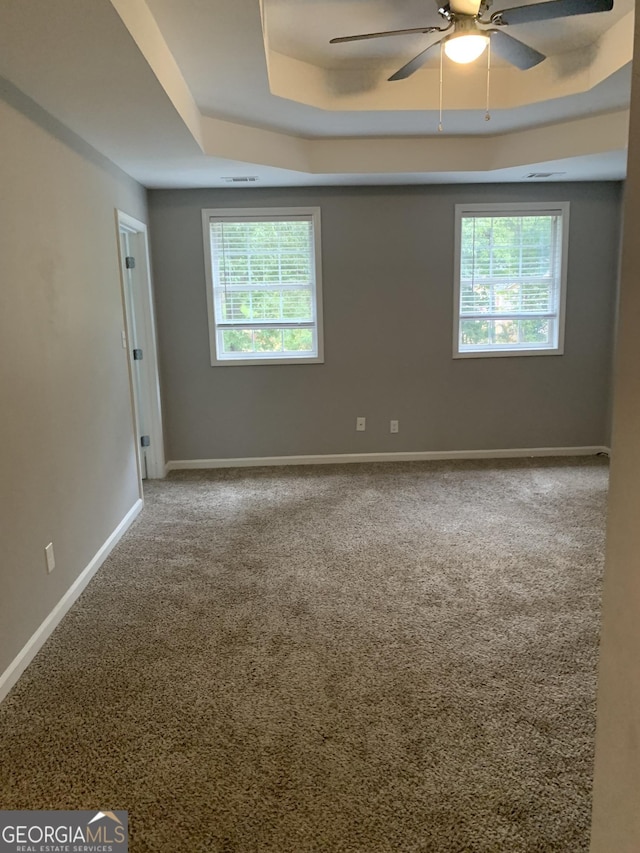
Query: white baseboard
(409, 456)
(22, 660)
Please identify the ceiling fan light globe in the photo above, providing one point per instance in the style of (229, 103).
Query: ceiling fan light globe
(465, 48)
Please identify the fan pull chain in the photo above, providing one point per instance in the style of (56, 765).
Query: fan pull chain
(487, 115)
(440, 121)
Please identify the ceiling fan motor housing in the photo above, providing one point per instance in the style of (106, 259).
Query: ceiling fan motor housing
(465, 25)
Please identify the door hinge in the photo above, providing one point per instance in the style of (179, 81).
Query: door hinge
(137, 355)
(145, 441)
(130, 262)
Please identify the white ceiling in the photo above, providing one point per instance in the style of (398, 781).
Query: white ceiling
(185, 92)
(302, 29)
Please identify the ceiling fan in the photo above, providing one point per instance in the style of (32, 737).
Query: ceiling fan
(469, 27)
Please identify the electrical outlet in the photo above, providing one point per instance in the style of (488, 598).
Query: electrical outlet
(51, 560)
(361, 424)
(395, 425)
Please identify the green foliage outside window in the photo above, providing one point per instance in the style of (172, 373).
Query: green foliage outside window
(267, 340)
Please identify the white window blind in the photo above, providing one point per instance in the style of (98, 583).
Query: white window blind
(264, 285)
(510, 292)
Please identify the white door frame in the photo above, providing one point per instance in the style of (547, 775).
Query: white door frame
(145, 338)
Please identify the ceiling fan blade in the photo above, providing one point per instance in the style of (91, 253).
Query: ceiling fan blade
(413, 65)
(389, 33)
(549, 10)
(514, 51)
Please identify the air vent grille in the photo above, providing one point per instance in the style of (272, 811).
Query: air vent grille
(533, 175)
(241, 179)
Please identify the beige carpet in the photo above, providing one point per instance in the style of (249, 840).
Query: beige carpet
(350, 659)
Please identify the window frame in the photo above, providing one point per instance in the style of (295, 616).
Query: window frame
(512, 209)
(264, 213)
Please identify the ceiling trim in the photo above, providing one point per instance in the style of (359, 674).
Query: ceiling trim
(581, 137)
(144, 30)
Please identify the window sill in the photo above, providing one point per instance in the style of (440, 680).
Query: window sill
(264, 362)
(506, 353)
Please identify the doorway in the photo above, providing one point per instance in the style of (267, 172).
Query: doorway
(139, 338)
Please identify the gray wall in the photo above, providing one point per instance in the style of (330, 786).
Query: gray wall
(67, 449)
(387, 257)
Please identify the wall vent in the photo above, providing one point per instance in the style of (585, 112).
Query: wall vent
(543, 175)
(241, 179)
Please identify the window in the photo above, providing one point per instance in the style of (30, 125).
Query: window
(510, 279)
(263, 285)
